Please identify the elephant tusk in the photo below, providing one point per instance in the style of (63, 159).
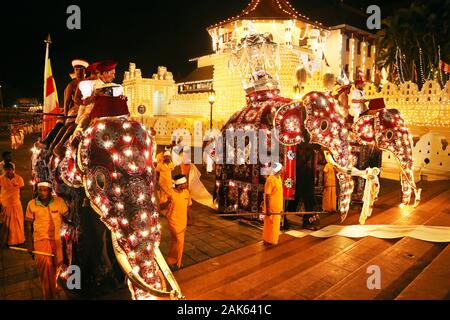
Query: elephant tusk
(167, 273)
(350, 171)
(135, 278)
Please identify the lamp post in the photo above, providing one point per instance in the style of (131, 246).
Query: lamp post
(211, 99)
(1, 97)
(297, 94)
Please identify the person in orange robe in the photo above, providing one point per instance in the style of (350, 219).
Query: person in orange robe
(185, 165)
(45, 213)
(165, 169)
(11, 212)
(178, 219)
(329, 191)
(160, 156)
(273, 196)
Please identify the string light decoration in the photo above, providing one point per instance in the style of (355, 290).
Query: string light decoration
(241, 186)
(257, 58)
(439, 69)
(117, 182)
(288, 123)
(373, 64)
(283, 5)
(352, 58)
(326, 126)
(388, 131)
(363, 55)
(422, 75)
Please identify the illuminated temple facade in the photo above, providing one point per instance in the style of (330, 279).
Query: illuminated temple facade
(312, 56)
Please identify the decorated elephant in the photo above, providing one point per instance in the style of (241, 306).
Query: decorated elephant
(111, 162)
(383, 128)
(386, 129)
(319, 119)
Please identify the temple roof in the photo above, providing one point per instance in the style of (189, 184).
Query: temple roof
(267, 10)
(199, 74)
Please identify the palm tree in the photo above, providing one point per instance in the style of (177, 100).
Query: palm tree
(422, 27)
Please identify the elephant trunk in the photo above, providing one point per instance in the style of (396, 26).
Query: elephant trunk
(140, 288)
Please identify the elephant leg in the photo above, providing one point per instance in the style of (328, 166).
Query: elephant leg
(406, 190)
(408, 185)
(346, 189)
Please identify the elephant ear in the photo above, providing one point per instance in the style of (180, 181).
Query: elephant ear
(288, 122)
(364, 129)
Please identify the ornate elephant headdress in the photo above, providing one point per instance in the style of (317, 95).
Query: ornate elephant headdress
(257, 58)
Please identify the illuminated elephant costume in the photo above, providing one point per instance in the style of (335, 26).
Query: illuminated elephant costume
(112, 161)
(386, 130)
(383, 128)
(318, 119)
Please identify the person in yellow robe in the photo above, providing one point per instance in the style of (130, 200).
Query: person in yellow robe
(273, 196)
(164, 170)
(11, 212)
(160, 156)
(329, 191)
(178, 219)
(44, 213)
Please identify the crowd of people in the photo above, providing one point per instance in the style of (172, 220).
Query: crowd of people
(42, 221)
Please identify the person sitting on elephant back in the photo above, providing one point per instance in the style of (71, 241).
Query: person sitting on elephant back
(92, 89)
(70, 109)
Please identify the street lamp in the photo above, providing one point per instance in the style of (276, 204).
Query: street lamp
(297, 95)
(1, 96)
(211, 99)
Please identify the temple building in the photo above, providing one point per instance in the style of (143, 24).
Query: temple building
(154, 93)
(311, 54)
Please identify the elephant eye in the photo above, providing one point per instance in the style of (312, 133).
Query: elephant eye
(324, 125)
(100, 180)
(389, 134)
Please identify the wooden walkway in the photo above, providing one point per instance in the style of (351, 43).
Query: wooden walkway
(336, 267)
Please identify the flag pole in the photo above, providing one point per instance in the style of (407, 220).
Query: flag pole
(47, 42)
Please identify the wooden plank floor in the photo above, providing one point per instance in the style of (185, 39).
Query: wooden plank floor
(335, 268)
(433, 283)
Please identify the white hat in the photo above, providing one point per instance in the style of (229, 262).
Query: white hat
(79, 62)
(44, 184)
(276, 167)
(167, 153)
(180, 181)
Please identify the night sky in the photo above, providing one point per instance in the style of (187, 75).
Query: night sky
(149, 33)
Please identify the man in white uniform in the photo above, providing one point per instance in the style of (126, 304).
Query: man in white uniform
(90, 89)
(357, 105)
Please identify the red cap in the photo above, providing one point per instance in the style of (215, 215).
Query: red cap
(106, 65)
(92, 67)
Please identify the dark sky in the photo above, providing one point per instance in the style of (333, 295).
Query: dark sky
(149, 33)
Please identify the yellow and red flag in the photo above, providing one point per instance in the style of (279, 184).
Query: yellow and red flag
(50, 100)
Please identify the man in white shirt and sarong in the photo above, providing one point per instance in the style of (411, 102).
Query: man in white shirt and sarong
(357, 105)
